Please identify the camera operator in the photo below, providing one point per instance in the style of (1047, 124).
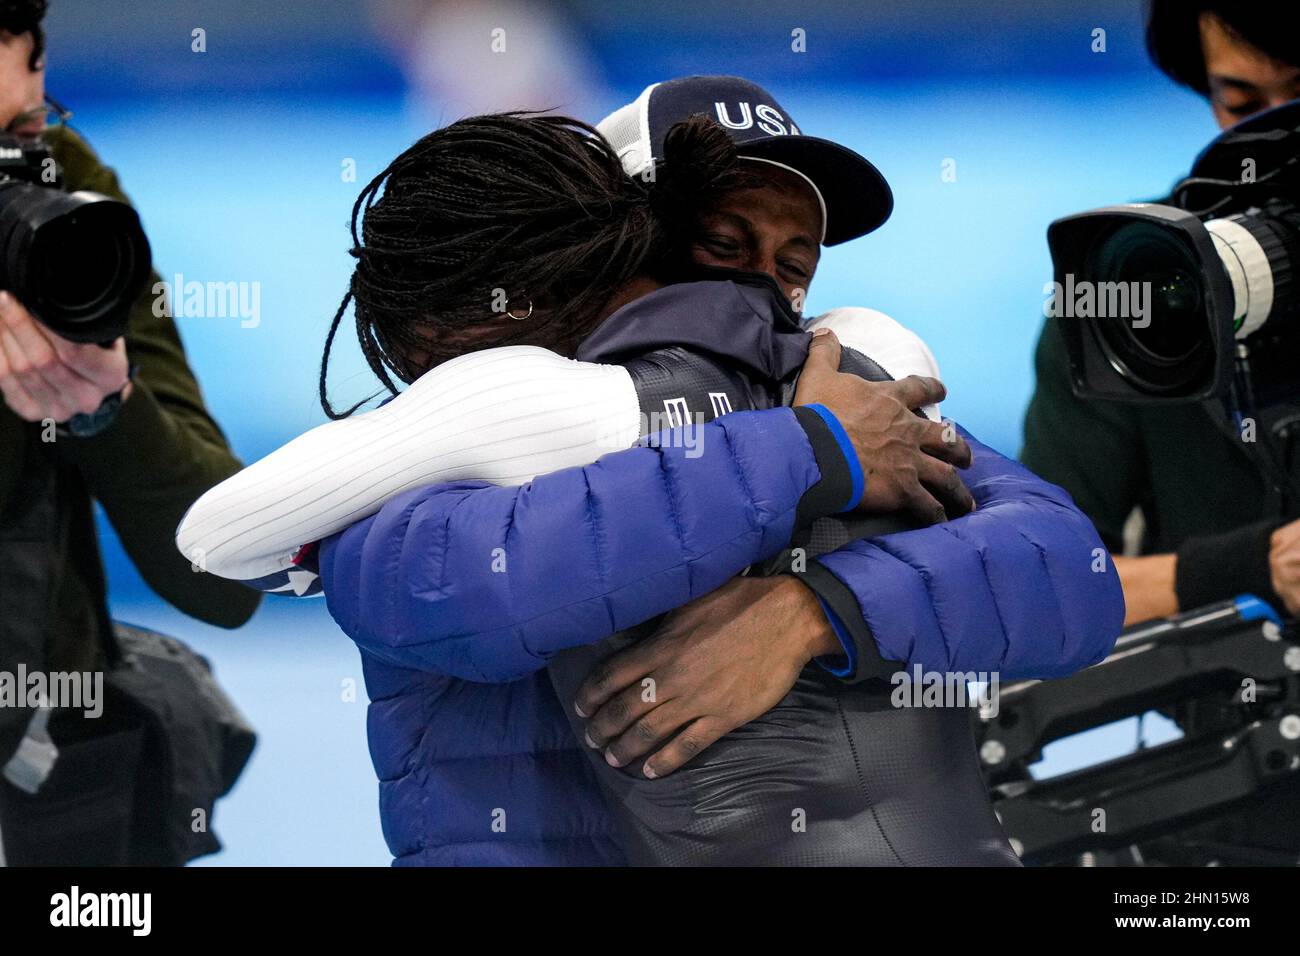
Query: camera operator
(121, 422)
(1213, 524)
(1209, 534)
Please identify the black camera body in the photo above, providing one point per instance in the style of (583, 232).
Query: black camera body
(26, 160)
(75, 260)
(1211, 280)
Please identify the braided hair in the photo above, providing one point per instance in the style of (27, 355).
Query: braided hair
(495, 214)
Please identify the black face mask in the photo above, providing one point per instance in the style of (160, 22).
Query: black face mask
(742, 317)
(783, 314)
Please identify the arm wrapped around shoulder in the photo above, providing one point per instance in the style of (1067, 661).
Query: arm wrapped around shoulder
(1022, 586)
(486, 583)
(498, 415)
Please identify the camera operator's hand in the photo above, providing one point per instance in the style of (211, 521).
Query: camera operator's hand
(1284, 565)
(908, 461)
(43, 376)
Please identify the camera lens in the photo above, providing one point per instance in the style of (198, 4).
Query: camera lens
(81, 262)
(75, 260)
(1174, 295)
(1167, 344)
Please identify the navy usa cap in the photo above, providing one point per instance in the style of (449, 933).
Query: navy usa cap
(854, 197)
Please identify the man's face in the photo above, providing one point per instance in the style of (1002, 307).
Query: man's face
(775, 228)
(22, 89)
(1242, 79)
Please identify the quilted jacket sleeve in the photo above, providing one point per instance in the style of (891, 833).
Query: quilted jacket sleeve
(1022, 586)
(485, 583)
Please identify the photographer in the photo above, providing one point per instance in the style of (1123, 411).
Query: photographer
(1215, 523)
(1211, 531)
(121, 422)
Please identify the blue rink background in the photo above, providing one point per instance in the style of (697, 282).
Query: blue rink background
(250, 190)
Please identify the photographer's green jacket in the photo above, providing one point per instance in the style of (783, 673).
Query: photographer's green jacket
(146, 468)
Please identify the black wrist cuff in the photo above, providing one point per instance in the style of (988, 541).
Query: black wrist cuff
(833, 491)
(835, 594)
(1221, 566)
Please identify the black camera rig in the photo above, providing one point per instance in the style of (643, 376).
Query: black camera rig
(1236, 662)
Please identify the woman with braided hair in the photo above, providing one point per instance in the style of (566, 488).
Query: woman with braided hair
(543, 307)
(534, 207)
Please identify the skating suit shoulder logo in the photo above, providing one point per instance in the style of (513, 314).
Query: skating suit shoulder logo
(677, 411)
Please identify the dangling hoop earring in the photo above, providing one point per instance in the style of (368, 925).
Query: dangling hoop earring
(520, 318)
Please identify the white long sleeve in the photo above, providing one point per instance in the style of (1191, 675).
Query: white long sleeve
(501, 415)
